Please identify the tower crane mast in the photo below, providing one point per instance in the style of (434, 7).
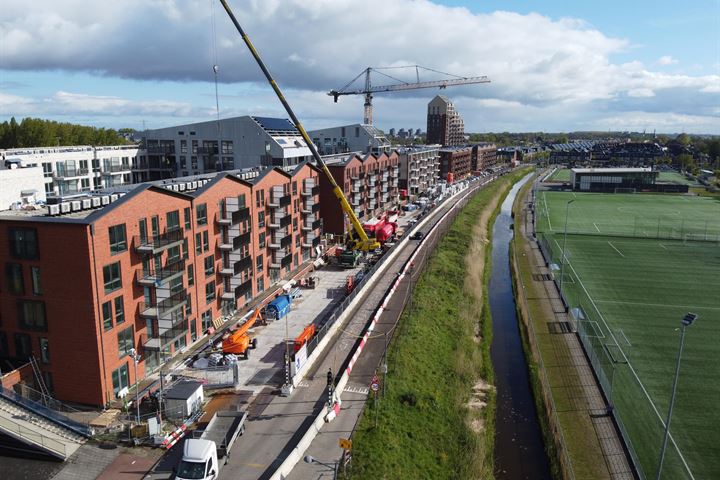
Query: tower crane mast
(369, 89)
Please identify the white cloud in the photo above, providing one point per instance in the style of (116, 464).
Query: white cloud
(311, 46)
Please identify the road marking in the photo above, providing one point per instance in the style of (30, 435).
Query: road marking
(303, 384)
(596, 227)
(360, 390)
(632, 370)
(613, 246)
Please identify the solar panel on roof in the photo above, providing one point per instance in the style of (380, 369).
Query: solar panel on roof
(275, 123)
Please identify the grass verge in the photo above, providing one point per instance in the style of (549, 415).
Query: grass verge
(429, 425)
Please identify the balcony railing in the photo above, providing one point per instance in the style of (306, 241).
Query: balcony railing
(153, 276)
(166, 337)
(71, 172)
(165, 306)
(156, 243)
(311, 191)
(161, 150)
(279, 201)
(233, 218)
(108, 169)
(286, 261)
(242, 264)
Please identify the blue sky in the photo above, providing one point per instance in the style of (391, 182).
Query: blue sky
(554, 66)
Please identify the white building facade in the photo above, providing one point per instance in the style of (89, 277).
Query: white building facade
(350, 138)
(419, 168)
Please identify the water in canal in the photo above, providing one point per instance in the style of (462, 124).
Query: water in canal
(519, 446)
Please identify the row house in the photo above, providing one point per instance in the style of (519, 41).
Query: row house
(369, 183)
(147, 267)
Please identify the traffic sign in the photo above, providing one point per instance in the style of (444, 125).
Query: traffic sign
(374, 386)
(345, 443)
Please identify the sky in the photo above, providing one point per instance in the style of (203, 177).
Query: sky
(553, 65)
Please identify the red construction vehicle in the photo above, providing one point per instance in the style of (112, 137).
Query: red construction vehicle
(383, 229)
(239, 341)
(305, 336)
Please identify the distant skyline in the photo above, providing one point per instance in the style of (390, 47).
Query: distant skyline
(554, 65)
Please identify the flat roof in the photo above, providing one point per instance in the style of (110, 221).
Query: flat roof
(183, 390)
(612, 170)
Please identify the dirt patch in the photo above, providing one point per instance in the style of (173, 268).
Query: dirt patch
(476, 404)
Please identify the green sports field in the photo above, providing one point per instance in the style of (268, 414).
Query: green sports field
(561, 175)
(675, 177)
(629, 285)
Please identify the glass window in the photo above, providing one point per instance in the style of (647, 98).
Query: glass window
(187, 218)
(23, 347)
(185, 253)
(260, 285)
(206, 320)
(24, 243)
(44, 350)
(206, 241)
(261, 240)
(201, 214)
(111, 277)
(261, 219)
(35, 277)
(259, 263)
(210, 292)
(31, 315)
(118, 240)
(119, 310)
(191, 275)
(143, 230)
(173, 254)
(173, 220)
(198, 243)
(120, 379)
(125, 341)
(209, 265)
(14, 278)
(193, 329)
(107, 315)
(188, 307)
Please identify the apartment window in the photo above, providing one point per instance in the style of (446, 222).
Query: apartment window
(173, 255)
(97, 182)
(23, 347)
(261, 219)
(183, 146)
(143, 230)
(227, 147)
(261, 240)
(206, 320)
(191, 275)
(125, 342)
(186, 212)
(209, 265)
(198, 243)
(210, 292)
(206, 241)
(111, 277)
(201, 214)
(119, 311)
(297, 241)
(194, 144)
(107, 315)
(85, 184)
(294, 224)
(294, 188)
(259, 263)
(14, 278)
(118, 239)
(260, 285)
(173, 220)
(185, 253)
(44, 350)
(24, 243)
(193, 330)
(31, 315)
(47, 170)
(120, 379)
(35, 277)
(188, 307)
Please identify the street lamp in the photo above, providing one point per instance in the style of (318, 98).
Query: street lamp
(562, 260)
(310, 459)
(687, 320)
(136, 359)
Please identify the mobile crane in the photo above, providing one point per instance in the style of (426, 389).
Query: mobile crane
(239, 342)
(361, 241)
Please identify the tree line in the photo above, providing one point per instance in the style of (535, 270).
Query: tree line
(36, 132)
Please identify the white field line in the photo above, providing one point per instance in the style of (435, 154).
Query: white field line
(596, 227)
(663, 305)
(547, 214)
(614, 248)
(647, 395)
(626, 338)
(663, 246)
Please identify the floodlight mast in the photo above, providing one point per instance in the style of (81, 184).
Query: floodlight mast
(364, 242)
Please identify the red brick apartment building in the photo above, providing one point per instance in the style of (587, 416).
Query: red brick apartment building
(149, 268)
(484, 155)
(455, 161)
(369, 183)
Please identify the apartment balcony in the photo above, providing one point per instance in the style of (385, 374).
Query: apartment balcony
(66, 173)
(356, 188)
(157, 243)
(240, 290)
(230, 217)
(157, 277)
(279, 201)
(165, 337)
(277, 258)
(226, 270)
(286, 260)
(309, 191)
(306, 207)
(115, 169)
(307, 241)
(165, 306)
(225, 245)
(242, 264)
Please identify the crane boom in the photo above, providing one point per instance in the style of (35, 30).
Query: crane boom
(412, 86)
(364, 242)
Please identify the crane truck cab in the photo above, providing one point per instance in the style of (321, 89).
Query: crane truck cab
(199, 461)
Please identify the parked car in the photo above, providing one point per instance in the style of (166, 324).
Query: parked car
(417, 236)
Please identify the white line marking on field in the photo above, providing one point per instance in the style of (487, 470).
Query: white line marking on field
(663, 305)
(596, 227)
(546, 211)
(647, 395)
(613, 246)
